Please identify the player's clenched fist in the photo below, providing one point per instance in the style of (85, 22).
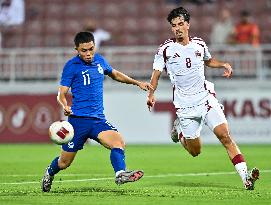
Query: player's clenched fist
(67, 110)
(150, 101)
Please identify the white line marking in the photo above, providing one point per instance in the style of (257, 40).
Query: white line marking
(38, 175)
(111, 178)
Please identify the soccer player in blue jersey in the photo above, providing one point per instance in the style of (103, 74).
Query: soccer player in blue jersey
(84, 74)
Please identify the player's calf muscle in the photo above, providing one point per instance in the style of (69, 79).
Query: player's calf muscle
(63, 164)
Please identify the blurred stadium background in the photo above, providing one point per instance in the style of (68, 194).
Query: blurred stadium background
(33, 55)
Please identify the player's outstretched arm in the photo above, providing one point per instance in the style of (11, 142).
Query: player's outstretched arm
(213, 63)
(154, 82)
(61, 98)
(121, 77)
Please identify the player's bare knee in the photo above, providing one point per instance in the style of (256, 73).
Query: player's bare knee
(195, 153)
(123, 144)
(118, 144)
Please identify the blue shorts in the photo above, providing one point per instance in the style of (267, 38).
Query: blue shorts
(84, 128)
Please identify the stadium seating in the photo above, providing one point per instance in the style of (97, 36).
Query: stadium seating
(52, 23)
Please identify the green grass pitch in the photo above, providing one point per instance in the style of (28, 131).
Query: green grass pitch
(171, 176)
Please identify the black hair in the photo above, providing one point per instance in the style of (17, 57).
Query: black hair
(83, 37)
(244, 13)
(177, 12)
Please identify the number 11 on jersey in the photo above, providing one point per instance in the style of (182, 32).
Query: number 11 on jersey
(86, 79)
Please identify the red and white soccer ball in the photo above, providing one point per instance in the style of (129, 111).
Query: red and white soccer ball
(61, 132)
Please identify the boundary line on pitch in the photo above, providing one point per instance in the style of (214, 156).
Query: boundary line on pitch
(111, 178)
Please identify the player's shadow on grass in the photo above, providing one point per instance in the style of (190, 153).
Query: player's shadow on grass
(93, 190)
(202, 185)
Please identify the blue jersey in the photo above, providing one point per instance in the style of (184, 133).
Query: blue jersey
(86, 83)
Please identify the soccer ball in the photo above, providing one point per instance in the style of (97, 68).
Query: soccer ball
(61, 132)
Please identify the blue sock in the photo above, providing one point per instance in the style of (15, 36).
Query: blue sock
(117, 158)
(54, 168)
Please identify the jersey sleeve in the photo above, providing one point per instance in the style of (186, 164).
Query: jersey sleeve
(207, 54)
(67, 75)
(158, 63)
(107, 67)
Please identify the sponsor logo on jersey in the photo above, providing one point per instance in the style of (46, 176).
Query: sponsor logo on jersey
(83, 72)
(176, 55)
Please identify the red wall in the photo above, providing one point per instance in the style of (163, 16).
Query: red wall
(26, 118)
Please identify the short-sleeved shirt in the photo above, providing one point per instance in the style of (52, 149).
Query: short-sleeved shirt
(185, 68)
(86, 83)
(247, 34)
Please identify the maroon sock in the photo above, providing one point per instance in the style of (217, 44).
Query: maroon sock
(238, 159)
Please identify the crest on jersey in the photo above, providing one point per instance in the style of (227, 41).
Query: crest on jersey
(198, 54)
(100, 69)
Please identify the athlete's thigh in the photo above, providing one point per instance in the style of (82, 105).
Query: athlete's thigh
(81, 128)
(191, 122)
(215, 116)
(111, 139)
(106, 134)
